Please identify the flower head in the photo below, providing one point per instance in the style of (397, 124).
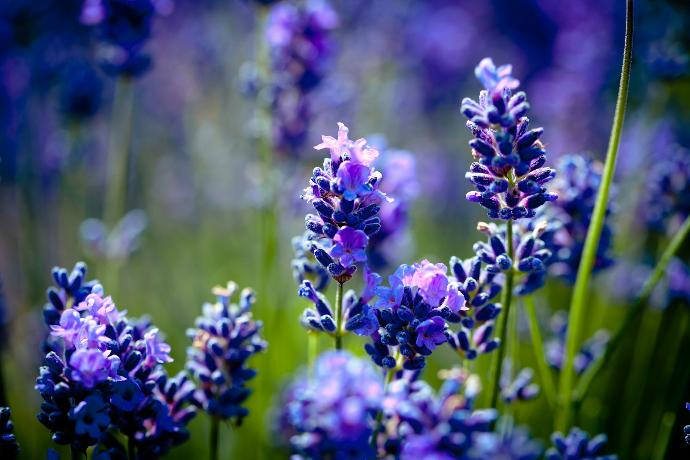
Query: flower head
(225, 337)
(509, 172)
(9, 448)
(577, 445)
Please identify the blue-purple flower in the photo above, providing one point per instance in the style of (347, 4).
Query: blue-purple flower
(225, 337)
(345, 194)
(509, 173)
(554, 347)
(519, 387)
(577, 445)
(304, 264)
(332, 412)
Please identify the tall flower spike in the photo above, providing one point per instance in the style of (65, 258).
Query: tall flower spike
(411, 315)
(509, 172)
(101, 374)
(577, 446)
(568, 218)
(332, 411)
(345, 194)
(225, 337)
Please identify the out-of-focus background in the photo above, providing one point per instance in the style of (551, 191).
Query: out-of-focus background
(193, 212)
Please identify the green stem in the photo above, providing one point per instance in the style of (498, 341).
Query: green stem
(312, 350)
(339, 317)
(661, 442)
(633, 311)
(213, 438)
(131, 448)
(576, 316)
(506, 298)
(379, 415)
(547, 383)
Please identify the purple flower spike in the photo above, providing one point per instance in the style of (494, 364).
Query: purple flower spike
(350, 246)
(430, 333)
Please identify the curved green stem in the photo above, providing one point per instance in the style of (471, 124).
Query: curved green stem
(633, 312)
(545, 377)
(506, 298)
(213, 438)
(576, 316)
(339, 317)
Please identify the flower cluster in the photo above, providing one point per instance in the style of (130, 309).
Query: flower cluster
(578, 446)
(104, 372)
(520, 388)
(358, 314)
(331, 413)
(569, 217)
(531, 254)
(412, 314)
(479, 287)
(667, 197)
(124, 26)
(9, 448)
(299, 37)
(345, 194)
(225, 337)
(387, 244)
(420, 424)
(591, 350)
(509, 172)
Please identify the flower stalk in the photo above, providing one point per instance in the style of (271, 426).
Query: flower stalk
(580, 293)
(538, 346)
(339, 316)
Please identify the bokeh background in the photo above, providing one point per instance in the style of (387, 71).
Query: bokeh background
(204, 205)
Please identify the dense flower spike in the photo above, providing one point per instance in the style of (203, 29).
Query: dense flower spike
(9, 448)
(124, 27)
(420, 424)
(569, 217)
(104, 372)
(301, 47)
(578, 446)
(331, 413)
(554, 347)
(518, 388)
(391, 242)
(479, 287)
(509, 172)
(412, 314)
(225, 337)
(667, 198)
(345, 194)
(531, 254)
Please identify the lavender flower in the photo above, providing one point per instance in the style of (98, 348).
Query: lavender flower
(9, 448)
(124, 27)
(509, 173)
(225, 337)
(413, 313)
(103, 372)
(301, 47)
(479, 287)
(531, 254)
(578, 446)
(508, 443)
(518, 388)
(420, 424)
(331, 413)
(591, 350)
(569, 217)
(345, 193)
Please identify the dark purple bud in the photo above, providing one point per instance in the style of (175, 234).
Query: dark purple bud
(529, 138)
